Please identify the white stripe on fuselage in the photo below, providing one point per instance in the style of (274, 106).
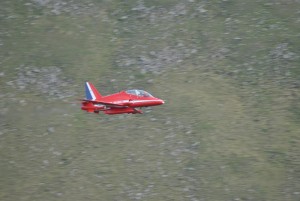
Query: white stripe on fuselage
(141, 101)
(132, 101)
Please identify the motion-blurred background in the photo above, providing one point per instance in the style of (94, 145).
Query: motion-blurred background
(228, 71)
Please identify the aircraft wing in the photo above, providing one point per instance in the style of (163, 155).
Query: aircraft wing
(105, 103)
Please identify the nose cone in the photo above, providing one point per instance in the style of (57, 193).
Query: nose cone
(156, 101)
(160, 102)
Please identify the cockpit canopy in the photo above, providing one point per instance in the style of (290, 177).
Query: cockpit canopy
(138, 92)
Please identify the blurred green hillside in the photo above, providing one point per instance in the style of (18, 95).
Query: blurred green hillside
(228, 70)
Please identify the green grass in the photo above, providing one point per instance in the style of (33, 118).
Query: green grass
(229, 129)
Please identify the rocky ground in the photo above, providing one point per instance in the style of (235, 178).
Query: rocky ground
(228, 71)
(44, 81)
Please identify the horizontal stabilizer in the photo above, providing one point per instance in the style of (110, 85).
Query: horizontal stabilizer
(104, 103)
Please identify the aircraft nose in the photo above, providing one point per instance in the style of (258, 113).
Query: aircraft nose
(161, 101)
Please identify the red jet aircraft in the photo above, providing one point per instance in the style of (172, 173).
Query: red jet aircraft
(118, 103)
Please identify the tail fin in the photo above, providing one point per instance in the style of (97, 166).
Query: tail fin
(91, 93)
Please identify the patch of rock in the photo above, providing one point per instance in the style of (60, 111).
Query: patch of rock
(72, 7)
(47, 81)
(281, 51)
(157, 61)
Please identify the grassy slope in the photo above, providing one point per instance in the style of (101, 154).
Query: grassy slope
(229, 129)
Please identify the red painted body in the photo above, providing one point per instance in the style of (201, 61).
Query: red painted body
(118, 103)
(122, 111)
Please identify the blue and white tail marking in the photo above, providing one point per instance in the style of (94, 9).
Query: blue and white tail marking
(91, 92)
